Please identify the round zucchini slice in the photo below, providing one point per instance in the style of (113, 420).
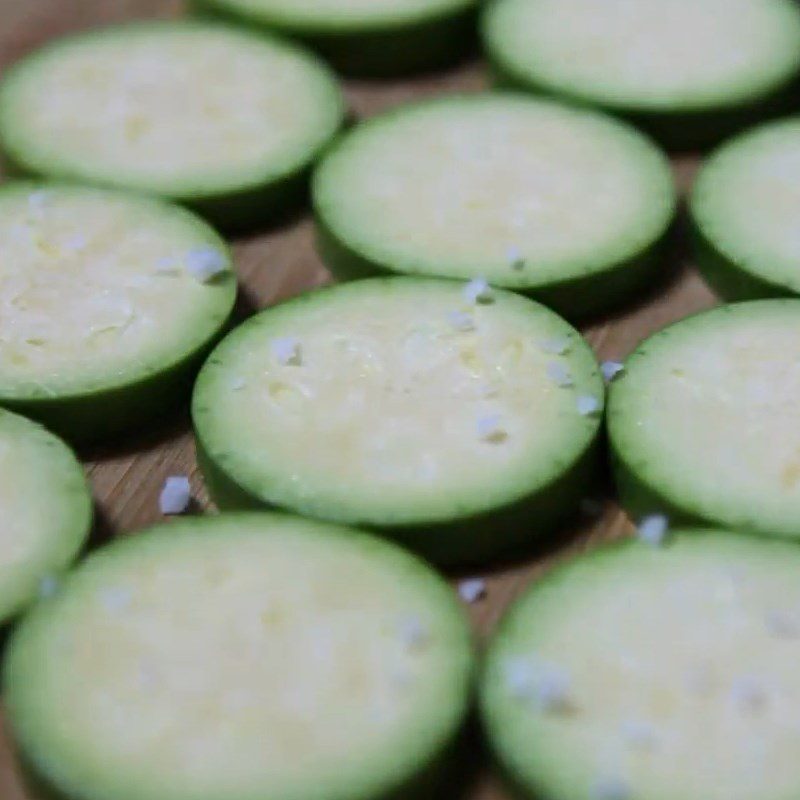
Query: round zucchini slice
(109, 302)
(637, 672)
(744, 207)
(243, 656)
(363, 37)
(45, 507)
(690, 71)
(463, 427)
(561, 203)
(222, 120)
(703, 421)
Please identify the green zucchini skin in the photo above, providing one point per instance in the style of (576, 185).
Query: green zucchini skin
(502, 533)
(676, 131)
(387, 51)
(577, 298)
(111, 413)
(238, 212)
(430, 783)
(729, 280)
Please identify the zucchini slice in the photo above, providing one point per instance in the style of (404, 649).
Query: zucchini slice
(363, 37)
(46, 511)
(222, 120)
(641, 673)
(109, 301)
(564, 204)
(703, 422)
(461, 426)
(744, 208)
(243, 656)
(690, 71)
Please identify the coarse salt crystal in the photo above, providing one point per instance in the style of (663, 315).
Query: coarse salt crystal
(237, 384)
(556, 347)
(552, 690)
(611, 369)
(461, 321)
(176, 495)
(547, 686)
(490, 428)
(478, 291)
(287, 351)
(205, 263)
(515, 258)
(653, 529)
(412, 631)
(587, 405)
(559, 374)
(472, 590)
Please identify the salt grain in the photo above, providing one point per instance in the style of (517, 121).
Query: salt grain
(587, 406)
(611, 369)
(555, 347)
(559, 374)
(461, 321)
(205, 263)
(653, 529)
(287, 351)
(490, 428)
(478, 291)
(472, 590)
(176, 495)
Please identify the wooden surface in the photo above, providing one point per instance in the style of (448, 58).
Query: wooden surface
(127, 479)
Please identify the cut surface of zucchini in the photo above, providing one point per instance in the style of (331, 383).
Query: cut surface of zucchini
(562, 203)
(703, 422)
(689, 68)
(406, 405)
(45, 507)
(242, 656)
(744, 207)
(214, 117)
(653, 673)
(108, 300)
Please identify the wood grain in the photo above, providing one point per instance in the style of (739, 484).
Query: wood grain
(126, 480)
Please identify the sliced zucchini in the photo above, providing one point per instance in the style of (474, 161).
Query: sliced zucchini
(243, 656)
(744, 207)
(45, 507)
(691, 71)
(703, 422)
(565, 204)
(108, 302)
(219, 119)
(457, 425)
(640, 673)
(363, 37)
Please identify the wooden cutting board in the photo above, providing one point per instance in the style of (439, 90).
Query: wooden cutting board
(280, 263)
